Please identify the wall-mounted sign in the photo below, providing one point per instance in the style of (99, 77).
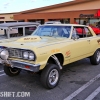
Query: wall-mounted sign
(11, 17)
(97, 14)
(86, 15)
(2, 17)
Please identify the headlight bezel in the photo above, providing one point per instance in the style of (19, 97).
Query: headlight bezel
(29, 52)
(25, 55)
(31, 56)
(6, 54)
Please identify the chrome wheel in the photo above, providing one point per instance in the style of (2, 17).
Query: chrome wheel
(50, 76)
(53, 76)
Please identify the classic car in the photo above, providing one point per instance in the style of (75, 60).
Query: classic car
(48, 49)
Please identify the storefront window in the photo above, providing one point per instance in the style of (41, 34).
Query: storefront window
(21, 21)
(87, 21)
(41, 21)
(65, 21)
(10, 21)
(1, 22)
(76, 21)
(94, 21)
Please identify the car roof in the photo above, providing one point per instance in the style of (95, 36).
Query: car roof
(14, 24)
(53, 22)
(65, 25)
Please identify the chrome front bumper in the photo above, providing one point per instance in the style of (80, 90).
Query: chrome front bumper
(24, 65)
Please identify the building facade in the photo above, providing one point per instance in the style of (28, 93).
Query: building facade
(77, 11)
(7, 17)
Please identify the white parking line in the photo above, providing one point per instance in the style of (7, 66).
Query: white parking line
(2, 74)
(71, 96)
(2, 71)
(94, 94)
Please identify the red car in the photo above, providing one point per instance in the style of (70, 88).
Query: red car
(96, 30)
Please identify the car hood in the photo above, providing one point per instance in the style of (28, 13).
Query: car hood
(33, 41)
(8, 40)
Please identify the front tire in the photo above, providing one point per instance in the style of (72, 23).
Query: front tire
(11, 71)
(95, 58)
(50, 76)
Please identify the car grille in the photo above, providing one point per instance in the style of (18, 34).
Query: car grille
(16, 53)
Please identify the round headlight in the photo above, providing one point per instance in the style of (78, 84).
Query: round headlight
(4, 54)
(25, 55)
(31, 56)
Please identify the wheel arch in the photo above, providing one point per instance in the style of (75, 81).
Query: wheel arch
(59, 56)
(95, 51)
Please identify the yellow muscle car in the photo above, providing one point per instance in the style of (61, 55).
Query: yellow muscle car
(48, 49)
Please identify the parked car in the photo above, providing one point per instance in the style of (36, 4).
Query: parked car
(15, 30)
(96, 30)
(48, 49)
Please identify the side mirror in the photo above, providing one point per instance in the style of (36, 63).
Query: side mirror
(75, 37)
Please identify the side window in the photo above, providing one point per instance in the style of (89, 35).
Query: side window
(29, 30)
(78, 31)
(82, 32)
(88, 32)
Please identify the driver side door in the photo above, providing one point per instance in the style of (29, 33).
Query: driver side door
(79, 48)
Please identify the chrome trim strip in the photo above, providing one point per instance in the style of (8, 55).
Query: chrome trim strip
(34, 65)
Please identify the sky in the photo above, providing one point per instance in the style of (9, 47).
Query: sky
(9, 6)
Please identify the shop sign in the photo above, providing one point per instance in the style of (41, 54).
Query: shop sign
(11, 17)
(2, 17)
(90, 15)
(97, 14)
(86, 15)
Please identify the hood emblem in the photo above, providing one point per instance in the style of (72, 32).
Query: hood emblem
(30, 38)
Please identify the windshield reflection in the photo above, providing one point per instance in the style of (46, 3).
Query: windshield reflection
(53, 31)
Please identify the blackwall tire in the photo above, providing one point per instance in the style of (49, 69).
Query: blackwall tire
(11, 71)
(50, 76)
(95, 58)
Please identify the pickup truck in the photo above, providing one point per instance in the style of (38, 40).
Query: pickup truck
(48, 49)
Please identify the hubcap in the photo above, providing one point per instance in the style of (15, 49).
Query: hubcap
(53, 76)
(98, 56)
(13, 70)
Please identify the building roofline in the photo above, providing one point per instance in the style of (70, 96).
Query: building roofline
(55, 6)
(9, 13)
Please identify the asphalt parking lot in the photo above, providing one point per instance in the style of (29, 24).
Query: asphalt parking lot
(79, 81)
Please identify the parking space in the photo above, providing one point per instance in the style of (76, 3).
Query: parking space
(78, 81)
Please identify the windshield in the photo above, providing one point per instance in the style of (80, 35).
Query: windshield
(53, 31)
